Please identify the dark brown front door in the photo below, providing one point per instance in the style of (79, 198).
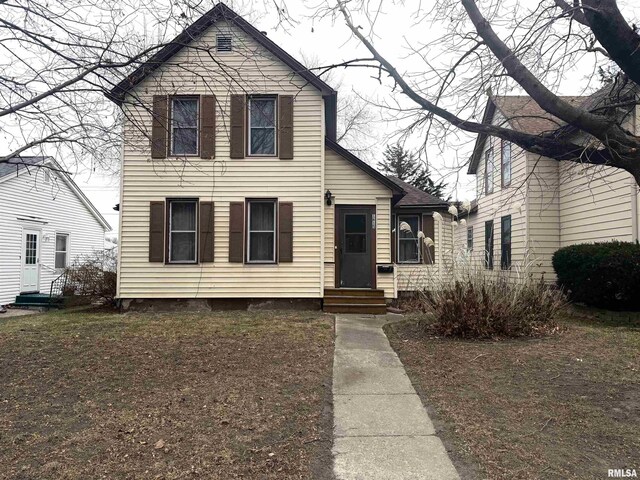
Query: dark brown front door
(356, 247)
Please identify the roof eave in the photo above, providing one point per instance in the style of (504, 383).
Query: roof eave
(489, 111)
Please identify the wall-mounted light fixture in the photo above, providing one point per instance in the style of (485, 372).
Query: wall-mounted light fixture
(327, 197)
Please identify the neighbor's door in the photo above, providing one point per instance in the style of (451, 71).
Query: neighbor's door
(356, 247)
(30, 261)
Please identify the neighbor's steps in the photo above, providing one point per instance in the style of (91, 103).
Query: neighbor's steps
(38, 300)
(354, 300)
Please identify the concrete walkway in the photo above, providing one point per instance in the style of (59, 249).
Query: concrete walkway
(381, 430)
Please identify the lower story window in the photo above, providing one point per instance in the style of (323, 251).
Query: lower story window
(488, 244)
(182, 231)
(408, 242)
(261, 232)
(505, 243)
(62, 250)
(470, 239)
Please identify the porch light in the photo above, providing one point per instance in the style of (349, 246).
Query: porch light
(327, 197)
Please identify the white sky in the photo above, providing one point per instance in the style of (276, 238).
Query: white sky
(332, 43)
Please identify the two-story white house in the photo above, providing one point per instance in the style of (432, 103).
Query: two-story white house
(234, 189)
(528, 206)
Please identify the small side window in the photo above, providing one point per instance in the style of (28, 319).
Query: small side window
(470, 239)
(62, 250)
(223, 43)
(47, 176)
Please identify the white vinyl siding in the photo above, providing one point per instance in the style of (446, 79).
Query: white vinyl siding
(59, 210)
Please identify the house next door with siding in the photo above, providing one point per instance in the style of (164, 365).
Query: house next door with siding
(30, 261)
(355, 247)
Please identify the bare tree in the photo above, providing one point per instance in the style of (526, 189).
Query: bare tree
(504, 46)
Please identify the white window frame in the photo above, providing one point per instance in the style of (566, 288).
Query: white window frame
(504, 164)
(46, 176)
(56, 251)
(274, 98)
(197, 125)
(274, 231)
(195, 232)
(489, 183)
(400, 239)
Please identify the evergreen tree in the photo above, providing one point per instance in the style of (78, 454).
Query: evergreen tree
(403, 164)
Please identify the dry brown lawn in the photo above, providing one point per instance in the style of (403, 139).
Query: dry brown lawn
(560, 407)
(218, 395)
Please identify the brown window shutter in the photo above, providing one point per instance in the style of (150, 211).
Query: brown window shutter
(237, 126)
(207, 126)
(159, 127)
(285, 232)
(156, 231)
(394, 243)
(205, 228)
(236, 232)
(428, 253)
(285, 127)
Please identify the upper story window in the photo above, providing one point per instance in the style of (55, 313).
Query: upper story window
(62, 250)
(47, 175)
(488, 171)
(470, 238)
(262, 125)
(184, 125)
(506, 163)
(182, 231)
(223, 43)
(408, 241)
(261, 234)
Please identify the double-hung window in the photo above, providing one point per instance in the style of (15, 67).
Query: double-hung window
(470, 239)
(408, 241)
(184, 125)
(262, 125)
(62, 250)
(488, 244)
(505, 243)
(506, 163)
(261, 232)
(182, 232)
(488, 171)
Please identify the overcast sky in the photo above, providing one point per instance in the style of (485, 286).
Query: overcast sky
(330, 42)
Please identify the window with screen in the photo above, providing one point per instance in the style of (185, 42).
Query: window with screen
(262, 125)
(62, 250)
(408, 241)
(261, 232)
(183, 231)
(505, 243)
(184, 126)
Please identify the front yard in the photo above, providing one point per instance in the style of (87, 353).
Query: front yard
(561, 407)
(216, 395)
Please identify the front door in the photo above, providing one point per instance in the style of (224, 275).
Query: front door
(355, 247)
(30, 261)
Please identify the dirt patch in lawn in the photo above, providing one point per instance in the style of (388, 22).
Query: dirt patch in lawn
(219, 395)
(561, 407)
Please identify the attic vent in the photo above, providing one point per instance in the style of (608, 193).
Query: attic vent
(223, 43)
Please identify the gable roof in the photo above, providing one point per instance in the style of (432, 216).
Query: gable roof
(522, 113)
(372, 172)
(17, 165)
(219, 12)
(415, 197)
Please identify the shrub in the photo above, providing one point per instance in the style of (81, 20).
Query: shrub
(484, 307)
(94, 276)
(605, 275)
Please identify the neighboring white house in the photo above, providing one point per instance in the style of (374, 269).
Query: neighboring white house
(46, 223)
(529, 206)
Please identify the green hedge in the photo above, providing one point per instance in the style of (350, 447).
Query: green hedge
(605, 275)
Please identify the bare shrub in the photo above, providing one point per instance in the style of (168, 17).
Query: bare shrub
(94, 276)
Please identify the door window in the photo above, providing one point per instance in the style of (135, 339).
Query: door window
(355, 233)
(31, 249)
